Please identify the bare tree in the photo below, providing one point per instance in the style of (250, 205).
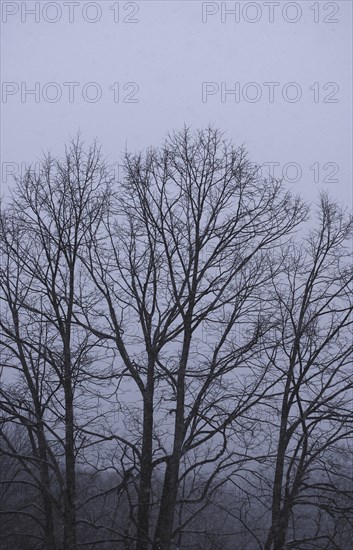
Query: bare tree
(44, 353)
(178, 272)
(170, 341)
(313, 304)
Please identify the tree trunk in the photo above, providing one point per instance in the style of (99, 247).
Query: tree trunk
(277, 533)
(143, 512)
(70, 477)
(50, 543)
(164, 528)
(276, 527)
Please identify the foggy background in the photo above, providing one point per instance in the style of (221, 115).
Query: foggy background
(212, 412)
(128, 72)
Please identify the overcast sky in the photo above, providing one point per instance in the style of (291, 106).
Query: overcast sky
(275, 76)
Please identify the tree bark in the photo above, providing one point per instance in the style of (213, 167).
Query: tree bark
(164, 528)
(70, 474)
(143, 512)
(49, 533)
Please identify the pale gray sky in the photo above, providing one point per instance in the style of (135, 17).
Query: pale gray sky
(172, 63)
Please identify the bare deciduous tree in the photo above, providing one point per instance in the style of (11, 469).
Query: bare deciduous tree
(186, 251)
(313, 303)
(42, 233)
(169, 339)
